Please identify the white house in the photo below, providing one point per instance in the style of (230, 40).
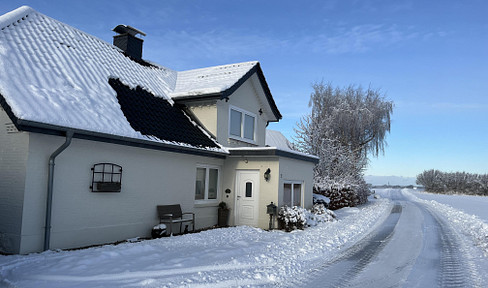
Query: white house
(93, 138)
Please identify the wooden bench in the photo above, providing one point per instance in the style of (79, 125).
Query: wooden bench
(172, 214)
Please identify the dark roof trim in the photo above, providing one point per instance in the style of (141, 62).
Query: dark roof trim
(213, 96)
(273, 152)
(36, 127)
(225, 94)
(256, 69)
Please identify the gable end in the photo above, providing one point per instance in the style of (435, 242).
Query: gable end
(256, 69)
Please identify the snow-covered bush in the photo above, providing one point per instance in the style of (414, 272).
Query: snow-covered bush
(321, 199)
(319, 214)
(343, 193)
(292, 218)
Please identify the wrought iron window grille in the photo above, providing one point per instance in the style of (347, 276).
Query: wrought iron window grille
(106, 177)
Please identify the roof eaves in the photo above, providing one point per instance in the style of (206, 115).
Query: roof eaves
(267, 91)
(209, 96)
(8, 110)
(36, 127)
(272, 151)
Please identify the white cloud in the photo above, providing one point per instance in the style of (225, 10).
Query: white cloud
(227, 45)
(442, 106)
(357, 39)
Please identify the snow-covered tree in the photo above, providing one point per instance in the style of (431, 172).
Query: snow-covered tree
(436, 181)
(345, 126)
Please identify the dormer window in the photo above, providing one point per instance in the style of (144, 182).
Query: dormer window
(242, 125)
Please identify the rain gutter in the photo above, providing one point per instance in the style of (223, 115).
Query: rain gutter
(50, 182)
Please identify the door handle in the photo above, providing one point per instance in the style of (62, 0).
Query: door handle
(238, 197)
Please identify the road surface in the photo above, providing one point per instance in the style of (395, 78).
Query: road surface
(414, 247)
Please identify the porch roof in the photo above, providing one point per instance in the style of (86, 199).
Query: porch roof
(272, 151)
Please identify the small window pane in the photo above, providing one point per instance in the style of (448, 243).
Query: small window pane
(297, 194)
(235, 122)
(200, 184)
(249, 189)
(249, 127)
(213, 178)
(287, 195)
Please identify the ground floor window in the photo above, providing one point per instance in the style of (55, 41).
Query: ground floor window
(207, 183)
(292, 194)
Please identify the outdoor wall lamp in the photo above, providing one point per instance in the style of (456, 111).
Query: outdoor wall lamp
(267, 174)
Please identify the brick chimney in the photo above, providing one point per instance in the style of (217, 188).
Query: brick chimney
(126, 40)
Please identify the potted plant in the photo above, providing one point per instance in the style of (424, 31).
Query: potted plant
(223, 215)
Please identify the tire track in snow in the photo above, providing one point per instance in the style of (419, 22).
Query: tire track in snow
(345, 268)
(455, 269)
(441, 261)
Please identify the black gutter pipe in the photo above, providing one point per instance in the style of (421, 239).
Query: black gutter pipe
(50, 182)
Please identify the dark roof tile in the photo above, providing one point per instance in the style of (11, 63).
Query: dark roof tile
(155, 116)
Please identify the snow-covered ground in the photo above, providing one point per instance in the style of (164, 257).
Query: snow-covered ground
(230, 257)
(473, 205)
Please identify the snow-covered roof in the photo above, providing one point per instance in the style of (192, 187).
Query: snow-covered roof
(277, 139)
(58, 76)
(210, 80)
(221, 81)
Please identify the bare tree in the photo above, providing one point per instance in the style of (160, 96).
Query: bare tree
(344, 127)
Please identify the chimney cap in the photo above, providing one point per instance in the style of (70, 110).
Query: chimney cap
(126, 29)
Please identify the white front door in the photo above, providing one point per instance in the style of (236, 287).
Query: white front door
(247, 197)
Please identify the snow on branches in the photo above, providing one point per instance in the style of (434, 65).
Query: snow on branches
(436, 181)
(344, 127)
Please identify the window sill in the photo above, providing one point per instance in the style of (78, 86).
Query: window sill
(249, 141)
(206, 203)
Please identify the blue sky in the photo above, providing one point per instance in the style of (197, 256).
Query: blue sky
(429, 57)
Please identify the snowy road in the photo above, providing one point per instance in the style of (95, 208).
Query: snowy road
(399, 240)
(414, 247)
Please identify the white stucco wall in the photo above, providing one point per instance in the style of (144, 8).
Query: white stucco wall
(246, 99)
(293, 170)
(268, 190)
(206, 112)
(13, 159)
(283, 170)
(81, 217)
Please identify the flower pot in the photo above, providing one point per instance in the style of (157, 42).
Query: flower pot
(223, 217)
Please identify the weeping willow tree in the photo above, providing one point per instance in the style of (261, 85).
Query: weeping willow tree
(345, 127)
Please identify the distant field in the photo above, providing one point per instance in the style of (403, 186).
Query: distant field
(474, 205)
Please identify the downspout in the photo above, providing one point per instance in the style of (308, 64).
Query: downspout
(50, 181)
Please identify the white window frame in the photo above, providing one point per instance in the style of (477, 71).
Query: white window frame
(292, 183)
(207, 182)
(244, 113)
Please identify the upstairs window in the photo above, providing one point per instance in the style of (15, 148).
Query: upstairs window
(242, 124)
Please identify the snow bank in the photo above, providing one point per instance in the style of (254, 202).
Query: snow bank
(469, 225)
(236, 256)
